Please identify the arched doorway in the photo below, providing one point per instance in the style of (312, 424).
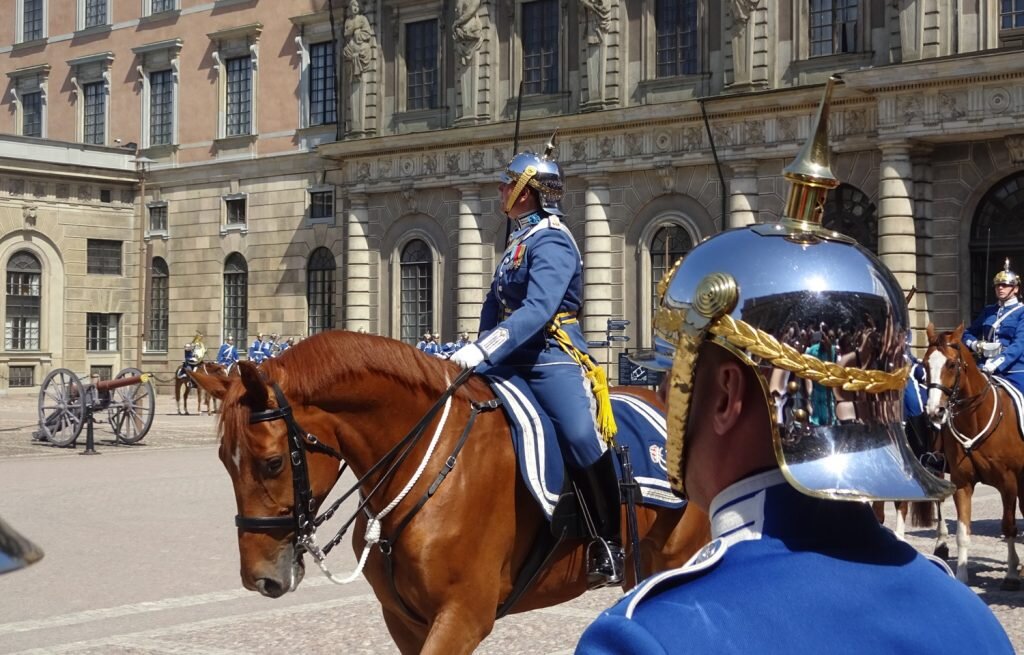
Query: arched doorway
(997, 232)
(849, 211)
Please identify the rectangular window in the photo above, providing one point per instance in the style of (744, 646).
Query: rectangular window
(103, 257)
(676, 46)
(101, 332)
(321, 204)
(101, 372)
(239, 96)
(32, 114)
(235, 208)
(322, 107)
(158, 6)
(833, 26)
(157, 218)
(95, 113)
(21, 329)
(161, 108)
(32, 25)
(1011, 14)
(22, 376)
(95, 13)
(421, 64)
(540, 46)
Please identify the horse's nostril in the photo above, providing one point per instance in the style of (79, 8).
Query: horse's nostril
(270, 588)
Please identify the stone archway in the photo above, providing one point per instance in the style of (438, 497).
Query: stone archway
(997, 233)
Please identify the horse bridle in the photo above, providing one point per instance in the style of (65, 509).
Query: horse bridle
(957, 405)
(954, 391)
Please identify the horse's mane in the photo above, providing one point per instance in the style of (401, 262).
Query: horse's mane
(322, 361)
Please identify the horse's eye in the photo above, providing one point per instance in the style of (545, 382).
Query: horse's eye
(274, 465)
(950, 365)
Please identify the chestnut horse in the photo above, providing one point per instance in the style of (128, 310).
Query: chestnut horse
(456, 561)
(981, 440)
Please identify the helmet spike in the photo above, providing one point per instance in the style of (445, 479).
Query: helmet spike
(810, 174)
(550, 147)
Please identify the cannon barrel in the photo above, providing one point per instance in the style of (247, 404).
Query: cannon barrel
(117, 383)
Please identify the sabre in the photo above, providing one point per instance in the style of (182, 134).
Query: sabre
(515, 149)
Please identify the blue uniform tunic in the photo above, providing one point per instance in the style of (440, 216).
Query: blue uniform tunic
(792, 574)
(541, 275)
(227, 355)
(256, 352)
(1004, 323)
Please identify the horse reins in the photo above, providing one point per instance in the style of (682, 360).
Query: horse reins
(304, 501)
(957, 405)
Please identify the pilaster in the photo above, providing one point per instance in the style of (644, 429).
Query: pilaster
(743, 200)
(359, 274)
(471, 282)
(597, 258)
(897, 238)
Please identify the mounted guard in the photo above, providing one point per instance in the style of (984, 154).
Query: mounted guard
(997, 335)
(529, 329)
(227, 356)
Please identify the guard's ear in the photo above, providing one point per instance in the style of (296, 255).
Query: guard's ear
(255, 388)
(215, 385)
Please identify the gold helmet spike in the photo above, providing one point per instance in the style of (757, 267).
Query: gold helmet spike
(810, 174)
(550, 147)
(1006, 276)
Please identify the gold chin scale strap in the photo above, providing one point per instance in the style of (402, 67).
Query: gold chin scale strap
(598, 380)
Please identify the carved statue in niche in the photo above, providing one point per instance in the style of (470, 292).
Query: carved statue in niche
(742, 39)
(359, 44)
(468, 32)
(467, 29)
(598, 21)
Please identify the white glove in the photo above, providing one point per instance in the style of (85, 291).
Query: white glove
(469, 356)
(976, 346)
(990, 365)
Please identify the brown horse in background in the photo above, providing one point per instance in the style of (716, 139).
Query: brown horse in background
(981, 440)
(458, 558)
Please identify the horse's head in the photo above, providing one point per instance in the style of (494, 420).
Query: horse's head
(944, 364)
(278, 477)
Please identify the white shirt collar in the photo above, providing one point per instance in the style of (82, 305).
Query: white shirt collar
(737, 512)
(1010, 302)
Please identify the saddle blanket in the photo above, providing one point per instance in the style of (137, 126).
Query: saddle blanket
(1016, 396)
(641, 428)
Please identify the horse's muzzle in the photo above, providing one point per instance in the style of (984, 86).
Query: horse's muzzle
(938, 417)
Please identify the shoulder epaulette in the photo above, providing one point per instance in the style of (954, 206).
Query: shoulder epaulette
(706, 559)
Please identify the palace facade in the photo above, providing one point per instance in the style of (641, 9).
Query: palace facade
(233, 167)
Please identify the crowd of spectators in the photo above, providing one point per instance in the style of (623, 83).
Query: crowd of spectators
(432, 344)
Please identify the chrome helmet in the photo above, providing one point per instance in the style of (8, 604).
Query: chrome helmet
(16, 551)
(1006, 276)
(759, 292)
(540, 173)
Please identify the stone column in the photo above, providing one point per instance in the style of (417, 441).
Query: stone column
(471, 282)
(358, 270)
(923, 228)
(897, 240)
(743, 195)
(597, 259)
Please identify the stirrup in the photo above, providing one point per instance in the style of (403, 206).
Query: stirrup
(605, 563)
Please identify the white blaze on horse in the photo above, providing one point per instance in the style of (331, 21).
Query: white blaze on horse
(981, 438)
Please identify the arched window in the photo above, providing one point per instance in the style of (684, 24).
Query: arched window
(320, 290)
(236, 298)
(156, 334)
(849, 211)
(996, 233)
(668, 245)
(417, 291)
(24, 282)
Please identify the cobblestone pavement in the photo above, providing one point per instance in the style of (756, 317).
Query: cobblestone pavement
(221, 618)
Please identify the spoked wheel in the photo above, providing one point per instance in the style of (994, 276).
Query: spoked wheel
(131, 408)
(61, 407)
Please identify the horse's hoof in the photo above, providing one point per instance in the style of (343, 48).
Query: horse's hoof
(1010, 584)
(942, 551)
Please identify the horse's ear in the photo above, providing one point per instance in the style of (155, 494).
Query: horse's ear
(215, 385)
(958, 333)
(255, 388)
(932, 337)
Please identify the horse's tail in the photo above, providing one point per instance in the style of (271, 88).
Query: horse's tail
(922, 514)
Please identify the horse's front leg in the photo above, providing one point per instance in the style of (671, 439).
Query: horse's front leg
(1008, 492)
(901, 519)
(962, 500)
(408, 639)
(459, 628)
(941, 549)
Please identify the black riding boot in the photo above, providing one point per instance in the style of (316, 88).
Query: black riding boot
(598, 486)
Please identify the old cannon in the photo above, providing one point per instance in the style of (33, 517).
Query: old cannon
(66, 405)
